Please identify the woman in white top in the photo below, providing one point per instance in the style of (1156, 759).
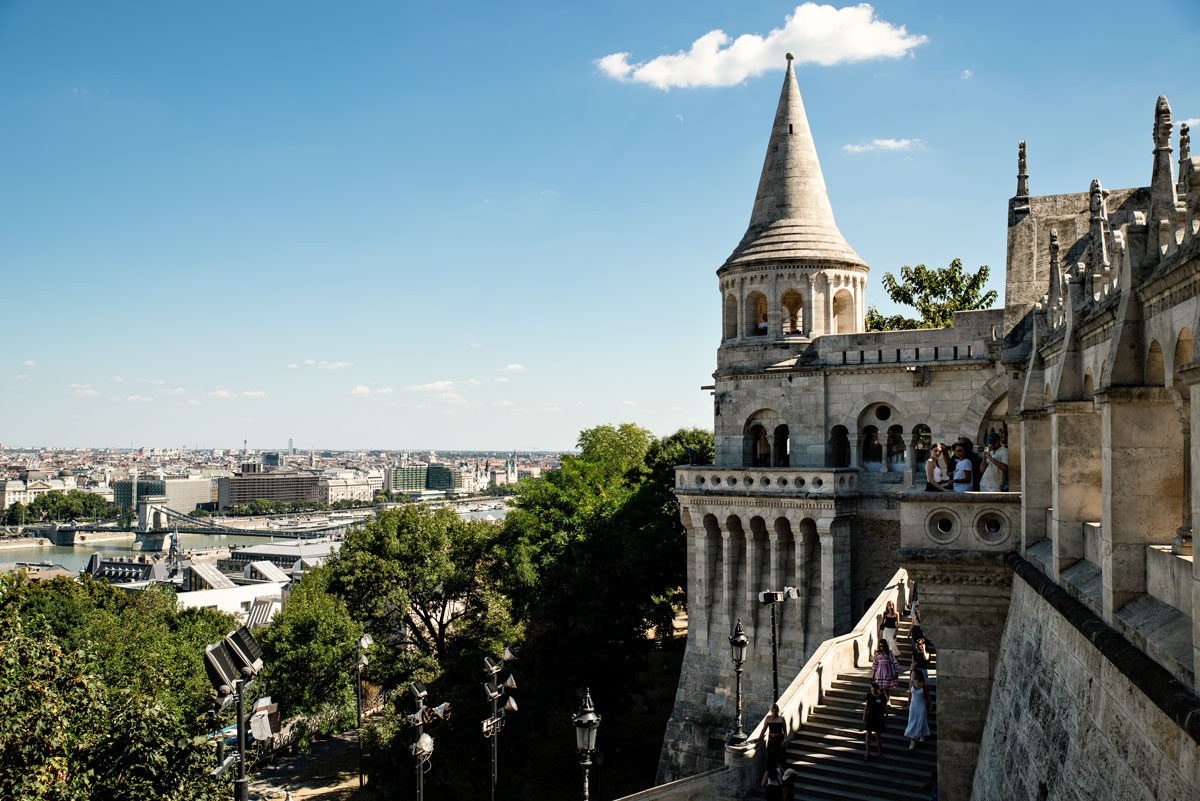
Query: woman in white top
(963, 480)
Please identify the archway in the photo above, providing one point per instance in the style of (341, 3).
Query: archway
(1184, 348)
(837, 448)
(1155, 374)
(793, 306)
(843, 312)
(756, 314)
(872, 450)
(757, 450)
(730, 317)
(782, 449)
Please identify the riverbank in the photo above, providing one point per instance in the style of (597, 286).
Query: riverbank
(26, 542)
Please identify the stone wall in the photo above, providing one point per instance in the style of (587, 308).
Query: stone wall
(1078, 713)
(872, 549)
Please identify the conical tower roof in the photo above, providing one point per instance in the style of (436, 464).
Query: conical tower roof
(792, 218)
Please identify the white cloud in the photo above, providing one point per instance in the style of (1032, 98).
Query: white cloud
(502, 403)
(816, 34)
(158, 381)
(451, 397)
(139, 398)
(503, 379)
(83, 389)
(363, 390)
(679, 117)
(966, 75)
(116, 379)
(221, 393)
(471, 382)
(1191, 122)
(324, 365)
(433, 386)
(310, 361)
(254, 393)
(22, 376)
(193, 402)
(513, 368)
(885, 144)
(629, 403)
(293, 366)
(29, 363)
(475, 345)
(173, 390)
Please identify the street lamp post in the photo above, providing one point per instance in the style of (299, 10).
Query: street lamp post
(738, 641)
(360, 661)
(422, 749)
(771, 598)
(495, 690)
(587, 723)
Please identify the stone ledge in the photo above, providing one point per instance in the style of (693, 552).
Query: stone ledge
(1168, 693)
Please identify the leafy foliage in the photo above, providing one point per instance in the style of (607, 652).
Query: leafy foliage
(104, 693)
(936, 294)
(55, 505)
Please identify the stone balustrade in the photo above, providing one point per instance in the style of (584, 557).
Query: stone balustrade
(791, 481)
(961, 521)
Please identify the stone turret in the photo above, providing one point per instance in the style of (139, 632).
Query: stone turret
(793, 275)
(1162, 181)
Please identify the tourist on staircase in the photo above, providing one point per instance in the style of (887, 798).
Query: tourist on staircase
(920, 657)
(773, 780)
(887, 628)
(776, 731)
(886, 669)
(919, 703)
(875, 710)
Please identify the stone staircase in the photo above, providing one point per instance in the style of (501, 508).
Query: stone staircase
(827, 752)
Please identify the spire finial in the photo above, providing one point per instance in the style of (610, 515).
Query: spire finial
(1185, 141)
(790, 57)
(1162, 123)
(1022, 174)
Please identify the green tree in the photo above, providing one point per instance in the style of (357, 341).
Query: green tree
(17, 514)
(935, 294)
(308, 658)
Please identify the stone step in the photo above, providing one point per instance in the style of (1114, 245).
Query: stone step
(901, 763)
(877, 786)
(826, 737)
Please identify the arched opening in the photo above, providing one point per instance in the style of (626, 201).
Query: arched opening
(736, 569)
(713, 569)
(895, 450)
(782, 456)
(756, 314)
(793, 307)
(843, 312)
(837, 449)
(1184, 347)
(872, 450)
(757, 450)
(810, 575)
(786, 550)
(730, 317)
(922, 442)
(1154, 366)
(1089, 387)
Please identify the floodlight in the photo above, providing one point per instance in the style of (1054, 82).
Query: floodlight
(441, 711)
(245, 651)
(219, 666)
(509, 656)
(791, 593)
(511, 704)
(416, 718)
(510, 683)
(770, 597)
(423, 747)
(490, 690)
(491, 665)
(362, 661)
(365, 642)
(418, 689)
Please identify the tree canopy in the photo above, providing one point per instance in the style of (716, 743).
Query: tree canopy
(935, 294)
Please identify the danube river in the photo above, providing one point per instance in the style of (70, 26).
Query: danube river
(73, 558)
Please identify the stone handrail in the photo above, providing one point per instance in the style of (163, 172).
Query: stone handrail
(975, 521)
(701, 787)
(834, 656)
(798, 481)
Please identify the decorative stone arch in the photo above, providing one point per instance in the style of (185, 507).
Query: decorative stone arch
(1183, 353)
(758, 432)
(756, 314)
(837, 448)
(843, 308)
(899, 410)
(792, 304)
(1155, 375)
(985, 404)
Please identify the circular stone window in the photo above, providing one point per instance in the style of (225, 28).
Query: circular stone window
(699, 481)
(732, 481)
(764, 482)
(782, 482)
(799, 482)
(883, 412)
(716, 481)
(991, 527)
(942, 526)
(817, 483)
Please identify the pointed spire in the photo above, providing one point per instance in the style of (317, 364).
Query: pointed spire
(1022, 174)
(792, 217)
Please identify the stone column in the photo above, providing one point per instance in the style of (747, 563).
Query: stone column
(774, 309)
(1075, 474)
(699, 583)
(860, 291)
(1143, 486)
(836, 608)
(740, 294)
(806, 305)
(820, 304)
(725, 619)
(1037, 485)
(964, 604)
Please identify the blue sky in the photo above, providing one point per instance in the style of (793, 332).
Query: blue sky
(467, 229)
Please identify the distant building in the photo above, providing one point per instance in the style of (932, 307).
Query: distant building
(281, 485)
(410, 478)
(298, 555)
(441, 477)
(33, 483)
(332, 490)
(182, 494)
(270, 461)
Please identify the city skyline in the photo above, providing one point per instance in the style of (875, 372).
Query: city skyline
(219, 232)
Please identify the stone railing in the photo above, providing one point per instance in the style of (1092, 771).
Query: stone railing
(796, 481)
(835, 656)
(961, 521)
(701, 787)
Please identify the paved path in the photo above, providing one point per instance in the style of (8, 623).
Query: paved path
(327, 773)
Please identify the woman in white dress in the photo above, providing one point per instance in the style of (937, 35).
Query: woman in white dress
(918, 710)
(887, 626)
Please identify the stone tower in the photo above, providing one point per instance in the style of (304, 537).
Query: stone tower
(793, 276)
